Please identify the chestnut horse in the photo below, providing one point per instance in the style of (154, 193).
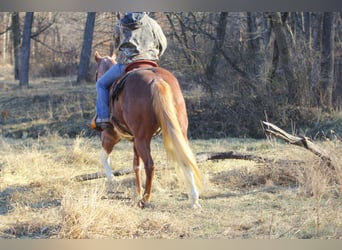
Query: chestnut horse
(150, 100)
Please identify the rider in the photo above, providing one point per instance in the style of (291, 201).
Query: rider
(136, 37)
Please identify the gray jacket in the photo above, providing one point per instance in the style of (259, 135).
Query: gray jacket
(136, 37)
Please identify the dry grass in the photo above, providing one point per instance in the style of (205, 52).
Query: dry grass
(51, 105)
(241, 199)
(39, 197)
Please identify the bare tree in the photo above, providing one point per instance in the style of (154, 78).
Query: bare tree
(327, 62)
(4, 28)
(182, 26)
(86, 48)
(25, 50)
(16, 38)
(218, 44)
(337, 93)
(284, 39)
(253, 41)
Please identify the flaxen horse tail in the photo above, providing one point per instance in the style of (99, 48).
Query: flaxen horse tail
(176, 145)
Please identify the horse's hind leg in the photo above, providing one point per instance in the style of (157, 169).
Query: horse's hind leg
(137, 165)
(194, 196)
(143, 149)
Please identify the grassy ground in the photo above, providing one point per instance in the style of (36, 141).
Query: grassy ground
(39, 197)
(48, 105)
(45, 143)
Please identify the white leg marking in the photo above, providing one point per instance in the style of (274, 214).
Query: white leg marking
(105, 160)
(194, 195)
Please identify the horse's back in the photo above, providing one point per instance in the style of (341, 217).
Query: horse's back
(138, 84)
(135, 103)
(148, 74)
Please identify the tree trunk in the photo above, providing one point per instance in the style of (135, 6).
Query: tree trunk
(25, 51)
(16, 43)
(257, 60)
(5, 37)
(219, 41)
(285, 47)
(266, 30)
(307, 28)
(86, 48)
(316, 42)
(327, 62)
(252, 28)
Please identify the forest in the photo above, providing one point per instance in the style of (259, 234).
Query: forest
(236, 68)
(248, 78)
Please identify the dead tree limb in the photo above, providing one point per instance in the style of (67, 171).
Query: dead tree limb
(200, 157)
(301, 141)
(98, 175)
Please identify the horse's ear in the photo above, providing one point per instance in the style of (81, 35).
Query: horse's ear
(97, 56)
(114, 57)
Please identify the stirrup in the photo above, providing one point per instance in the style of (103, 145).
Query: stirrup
(99, 126)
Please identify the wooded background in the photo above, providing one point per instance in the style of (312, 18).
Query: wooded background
(239, 66)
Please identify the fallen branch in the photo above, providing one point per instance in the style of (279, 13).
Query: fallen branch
(200, 157)
(301, 141)
(98, 175)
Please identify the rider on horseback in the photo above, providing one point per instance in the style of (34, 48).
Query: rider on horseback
(136, 37)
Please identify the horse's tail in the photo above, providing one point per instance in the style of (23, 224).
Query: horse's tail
(176, 145)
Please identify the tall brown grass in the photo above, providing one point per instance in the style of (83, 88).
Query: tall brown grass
(39, 197)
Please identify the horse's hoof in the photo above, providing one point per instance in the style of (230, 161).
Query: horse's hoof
(145, 204)
(196, 205)
(141, 204)
(112, 186)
